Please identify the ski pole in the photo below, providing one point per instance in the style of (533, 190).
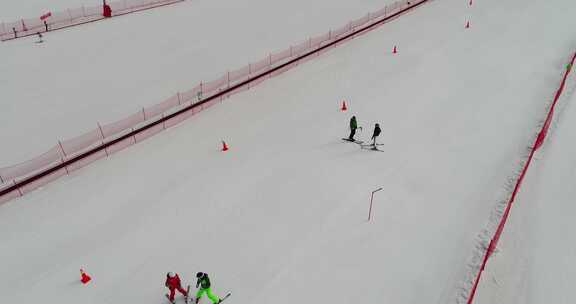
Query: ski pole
(371, 200)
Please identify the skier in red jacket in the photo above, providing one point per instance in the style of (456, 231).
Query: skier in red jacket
(173, 283)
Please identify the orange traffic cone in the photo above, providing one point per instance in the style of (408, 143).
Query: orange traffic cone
(394, 51)
(467, 24)
(84, 278)
(344, 108)
(224, 146)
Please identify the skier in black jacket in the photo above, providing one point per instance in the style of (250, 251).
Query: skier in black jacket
(377, 132)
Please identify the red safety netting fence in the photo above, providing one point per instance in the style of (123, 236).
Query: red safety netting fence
(538, 141)
(71, 17)
(74, 153)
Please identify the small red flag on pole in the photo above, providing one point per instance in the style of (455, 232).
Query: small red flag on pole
(45, 16)
(84, 278)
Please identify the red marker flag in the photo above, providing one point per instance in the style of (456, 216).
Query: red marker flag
(45, 16)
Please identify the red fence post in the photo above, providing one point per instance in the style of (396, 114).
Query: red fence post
(102, 134)
(200, 92)
(62, 148)
(270, 65)
(249, 73)
(62, 158)
(228, 86)
(19, 191)
(65, 167)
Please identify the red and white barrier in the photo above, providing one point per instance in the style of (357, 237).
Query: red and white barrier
(538, 141)
(72, 17)
(120, 134)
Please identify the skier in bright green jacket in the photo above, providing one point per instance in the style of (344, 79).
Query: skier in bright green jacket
(204, 284)
(353, 127)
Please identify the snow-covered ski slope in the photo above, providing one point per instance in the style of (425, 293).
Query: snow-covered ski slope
(108, 70)
(281, 217)
(535, 261)
(14, 10)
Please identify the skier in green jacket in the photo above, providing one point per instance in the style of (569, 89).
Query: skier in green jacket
(353, 127)
(204, 283)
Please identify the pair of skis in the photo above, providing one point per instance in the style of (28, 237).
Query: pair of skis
(371, 147)
(187, 297)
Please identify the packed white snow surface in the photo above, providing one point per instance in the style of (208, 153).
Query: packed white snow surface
(12, 10)
(108, 70)
(536, 257)
(281, 217)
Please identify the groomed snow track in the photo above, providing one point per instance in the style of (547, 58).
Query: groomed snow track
(14, 190)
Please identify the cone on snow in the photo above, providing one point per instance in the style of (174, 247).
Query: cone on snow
(395, 50)
(84, 278)
(344, 108)
(467, 24)
(224, 146)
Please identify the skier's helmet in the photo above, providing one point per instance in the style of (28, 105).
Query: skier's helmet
(199, 274)
(378, 125)
(171, 275)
